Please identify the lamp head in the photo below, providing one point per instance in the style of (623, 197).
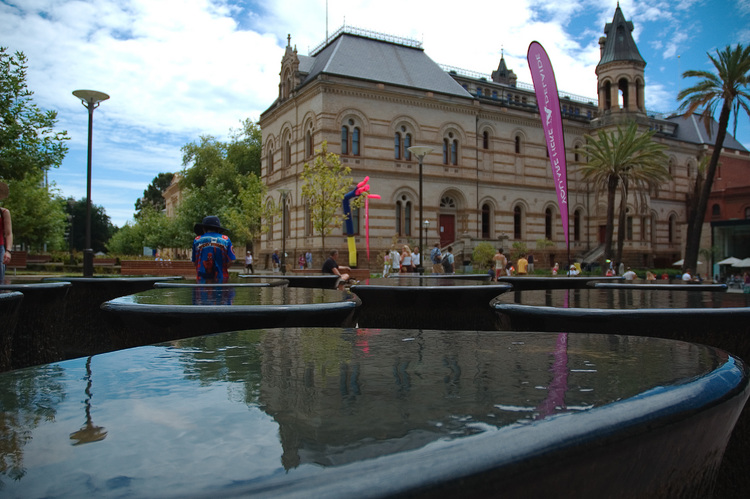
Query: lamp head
(420, 151)
(90, 98)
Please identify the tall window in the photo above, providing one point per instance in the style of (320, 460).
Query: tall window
(517, 222)
(401, 144)
(577, 225)
(270, 160)
(716, 211)
(486, 221)
(309, 146)
(548, 223)
(287, 154)
(518, 144)
(308, 220)
(671, 228)
(450, 150)
(629, 228)
(403, 216)
(351, 137)
(486, 140)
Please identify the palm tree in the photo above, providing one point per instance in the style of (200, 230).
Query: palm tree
(623, 159)
(727, 87)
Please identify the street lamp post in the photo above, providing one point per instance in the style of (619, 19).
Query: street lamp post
(420, 152)
(284, 194)
(90, 100)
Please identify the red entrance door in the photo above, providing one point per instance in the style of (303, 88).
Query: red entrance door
(447, 230)
(602, 233)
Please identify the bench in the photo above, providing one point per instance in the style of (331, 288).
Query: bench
(184, 268)
(105, 262)
(18, 260)
(38, 259)
(357, 274)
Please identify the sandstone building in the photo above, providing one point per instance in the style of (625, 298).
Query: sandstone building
(371, 97)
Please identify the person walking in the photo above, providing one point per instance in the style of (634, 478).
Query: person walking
(500, 262)
(436, 258)
(212, 251)
(448, 261)
(416, 259)
(276, 261)
(6, 232)
(249, 263)
(530, 259)
(523, 265)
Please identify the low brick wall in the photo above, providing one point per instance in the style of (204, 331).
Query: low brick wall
(183, 268)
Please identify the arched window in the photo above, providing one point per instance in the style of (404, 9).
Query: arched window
(518, 144)
(623, 88)
(486, 140)
(716, 210)
(577, 225)
(517, 222)
(344, 140)
(450, 150)
(287, 154)
(629, 228)
(486, 212)
(608, 95)
(671, 234)
(309, 146)
(397, 146)
(548, 223)
(351, 138)
(270, 160)
(407, 145)
(403, 216)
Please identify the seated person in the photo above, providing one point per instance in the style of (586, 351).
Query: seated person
(331, 267)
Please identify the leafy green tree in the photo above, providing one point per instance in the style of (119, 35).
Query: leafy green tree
(128, 240)
(153, 195)
(38, 213)
(244, 148)
(727, 88)
(28, 141)
(324, 184)
(101, 226)
(481, 257)
(620, 160)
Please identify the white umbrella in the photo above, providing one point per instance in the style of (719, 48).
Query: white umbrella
(742, 263)
(729, 261)
(679, 263)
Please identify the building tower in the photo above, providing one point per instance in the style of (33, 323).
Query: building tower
(620, 73)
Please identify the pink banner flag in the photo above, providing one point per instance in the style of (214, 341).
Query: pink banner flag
(548, 101)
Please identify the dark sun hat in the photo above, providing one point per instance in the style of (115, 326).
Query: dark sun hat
(209, 224)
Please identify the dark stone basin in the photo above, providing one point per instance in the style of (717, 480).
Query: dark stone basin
(718, 319)
(666, 287)
(83, 330)
(427, 303)
(172, 313)
(461, 277)
(558, 282)
(329, 412)
(10, 305)
(255, 283)
(36, 339)
(324, 281)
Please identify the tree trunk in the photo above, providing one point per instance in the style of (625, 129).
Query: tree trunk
(621, 221)
(696, 224)
(609, 232)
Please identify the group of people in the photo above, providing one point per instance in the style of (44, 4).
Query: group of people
(406, 260)
(503, 266)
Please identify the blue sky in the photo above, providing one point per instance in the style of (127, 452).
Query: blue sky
(179, 69)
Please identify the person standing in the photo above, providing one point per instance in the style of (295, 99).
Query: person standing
(416, 258)
(629, 275)
(530, 259)
(6, 232)
(523, 266)
(308, 259)
(436, 258)
(249, 263)
(500, 262)
(276, 261)
(301, 261)
(395, 260)
(406, 264)
(212, 251)
(448, 261)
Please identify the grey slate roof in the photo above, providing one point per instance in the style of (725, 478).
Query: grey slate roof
(693, 130)
(368, 59)
(620, 45)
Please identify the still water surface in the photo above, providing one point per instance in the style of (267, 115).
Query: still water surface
(202, 414)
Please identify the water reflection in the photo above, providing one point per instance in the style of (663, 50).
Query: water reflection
(89, 432)
(249, 405)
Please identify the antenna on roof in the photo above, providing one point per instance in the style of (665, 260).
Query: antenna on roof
(326, 21)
